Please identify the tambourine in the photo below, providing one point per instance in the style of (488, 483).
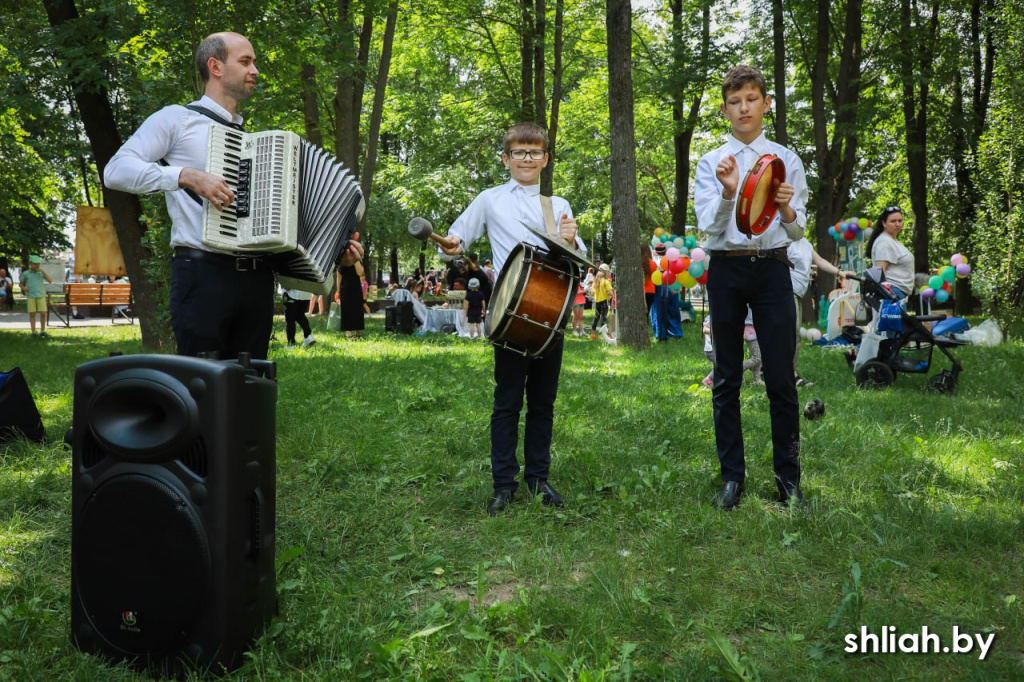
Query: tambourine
(755, 209)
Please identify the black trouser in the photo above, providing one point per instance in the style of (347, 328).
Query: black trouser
(214, 307)
(514, 375)
(295, 311)
(600, 315)
(764, 284)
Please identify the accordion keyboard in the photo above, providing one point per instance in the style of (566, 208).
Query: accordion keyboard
(263, 171)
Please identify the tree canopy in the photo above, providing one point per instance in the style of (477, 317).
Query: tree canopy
(887, 102)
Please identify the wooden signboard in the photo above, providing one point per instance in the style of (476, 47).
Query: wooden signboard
(97, 251)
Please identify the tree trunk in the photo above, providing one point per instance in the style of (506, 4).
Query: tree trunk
(377, 112)
(548, 174)
(779, 39)
(346, 125)
(683, 126)
(539, 45)
(629, 279)
(915, 63)
(310, 106)
(526, 58)
(835, 157)
(100, 127)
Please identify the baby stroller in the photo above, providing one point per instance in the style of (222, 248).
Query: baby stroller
(909, 351)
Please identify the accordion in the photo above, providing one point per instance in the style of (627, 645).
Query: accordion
(296, 206)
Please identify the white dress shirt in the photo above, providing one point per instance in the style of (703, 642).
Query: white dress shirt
(799, 253)
(716, 217)
(179, 136)
(500, 210)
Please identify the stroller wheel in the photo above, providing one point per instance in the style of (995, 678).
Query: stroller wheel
(875, 374)
(942, 382)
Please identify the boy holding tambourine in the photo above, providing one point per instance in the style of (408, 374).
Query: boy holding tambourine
(750, 198)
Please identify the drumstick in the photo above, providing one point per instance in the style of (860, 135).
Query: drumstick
(420, 228)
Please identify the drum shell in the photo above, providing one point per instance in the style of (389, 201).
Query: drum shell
(540, 303)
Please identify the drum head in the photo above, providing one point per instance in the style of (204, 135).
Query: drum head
(506, 290)
(755, 209)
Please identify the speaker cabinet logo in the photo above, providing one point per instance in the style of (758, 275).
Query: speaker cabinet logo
(129, 620)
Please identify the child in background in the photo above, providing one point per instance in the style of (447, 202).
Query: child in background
(474, 308)
(33, 283)
(577, 311)
(749, 335)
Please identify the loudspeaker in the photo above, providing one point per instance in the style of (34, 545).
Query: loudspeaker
(18, 412)
(398, 318)
(172, 520)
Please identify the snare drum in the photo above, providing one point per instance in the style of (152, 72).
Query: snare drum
(532, 300)
(755, 209)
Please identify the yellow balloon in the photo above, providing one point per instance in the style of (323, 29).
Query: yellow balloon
(965, 259)
(656, 278)
(688, 281)
(658, 232)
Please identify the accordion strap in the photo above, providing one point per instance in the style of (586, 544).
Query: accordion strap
(549, 216)
(209, 114)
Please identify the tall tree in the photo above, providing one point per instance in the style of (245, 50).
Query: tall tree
(632, 309)
(918, 35)
(78, 43)
(779, 72)
(835, 141)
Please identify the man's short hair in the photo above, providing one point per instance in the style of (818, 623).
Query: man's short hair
(741, 75)
(526, 132)
(212, 46)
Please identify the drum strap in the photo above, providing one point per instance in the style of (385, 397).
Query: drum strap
(549, 216)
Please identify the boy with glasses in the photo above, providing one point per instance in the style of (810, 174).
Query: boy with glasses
(501, 212)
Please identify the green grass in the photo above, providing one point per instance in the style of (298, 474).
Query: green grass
(398, 573)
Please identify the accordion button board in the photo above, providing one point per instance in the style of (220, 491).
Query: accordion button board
(294, 203)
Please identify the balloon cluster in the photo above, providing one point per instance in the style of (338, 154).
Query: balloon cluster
(850, 229)
(812, 334)
(678, 262)
(940, 286)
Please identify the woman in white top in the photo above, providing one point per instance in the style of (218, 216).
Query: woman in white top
(888, 253)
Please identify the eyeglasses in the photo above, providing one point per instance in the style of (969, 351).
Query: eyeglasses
(521, 154)
(893, 209)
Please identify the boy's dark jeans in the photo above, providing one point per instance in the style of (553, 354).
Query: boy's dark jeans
(537, 378)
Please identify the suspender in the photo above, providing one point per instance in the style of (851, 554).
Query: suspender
(209, 114)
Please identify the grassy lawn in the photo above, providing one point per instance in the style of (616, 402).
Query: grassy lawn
(396, 571)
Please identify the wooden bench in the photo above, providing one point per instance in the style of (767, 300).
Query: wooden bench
(114, 294)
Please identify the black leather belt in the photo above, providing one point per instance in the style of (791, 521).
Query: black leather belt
(239, 263)
(780, 253)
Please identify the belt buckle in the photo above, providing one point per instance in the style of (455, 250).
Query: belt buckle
(242, 262)
(763, 253)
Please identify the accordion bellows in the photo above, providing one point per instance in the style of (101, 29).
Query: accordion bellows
(295, 204)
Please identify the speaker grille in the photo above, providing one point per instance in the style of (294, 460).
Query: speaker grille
(142, 567)
(195, 459)
(255, 525)
(92, 453)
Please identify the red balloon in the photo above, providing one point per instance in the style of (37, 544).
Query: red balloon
(703, 279)
(849, 235)
(670, 277)
(676, 266)
(653, 265)
(947, 286)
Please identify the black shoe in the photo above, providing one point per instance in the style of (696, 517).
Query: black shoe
(501, 499)
(551, 496)
(78, 316)
(728, 495)
(792, 497)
